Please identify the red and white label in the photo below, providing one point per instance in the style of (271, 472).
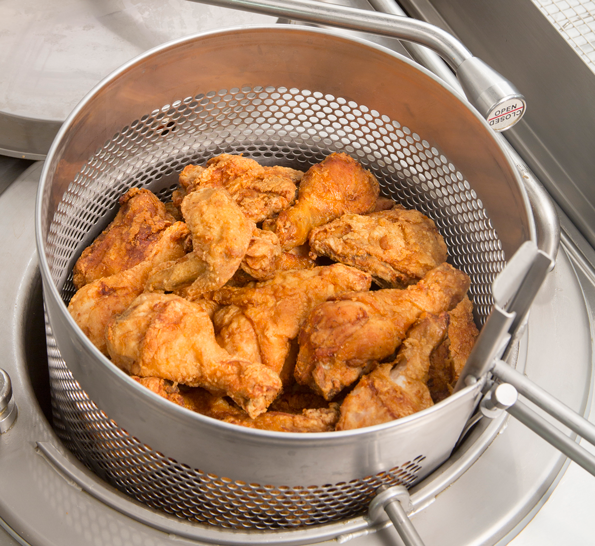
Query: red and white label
(506, 114)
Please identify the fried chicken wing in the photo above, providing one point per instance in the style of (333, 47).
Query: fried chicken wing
(346, 338)
(396, 389)
(449, 360)
(397, 246)
(127, 241)
(165, 336)
(221, 234)
(96, 303)
(329, 189)
(261, 192)
(277, 308)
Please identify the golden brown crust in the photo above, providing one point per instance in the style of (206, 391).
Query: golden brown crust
(127, 241)
(329, 189)
(397, 246)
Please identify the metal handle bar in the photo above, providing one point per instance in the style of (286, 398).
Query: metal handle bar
(396, 502)
(494, 96)
(505, 396)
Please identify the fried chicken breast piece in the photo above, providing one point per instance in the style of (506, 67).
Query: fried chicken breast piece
(337, 186)
(278, 307)
(397, 246)
(343, 339)
(219, 407)
(396, 389)
(93, 306)
(165, 336)
(221, 234)
(261, 192)
(448, 361)
(127, 240)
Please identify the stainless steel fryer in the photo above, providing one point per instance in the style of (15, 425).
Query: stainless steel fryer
(198, 97)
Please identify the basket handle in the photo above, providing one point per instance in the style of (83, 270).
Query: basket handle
(504, 396)
(496, 98)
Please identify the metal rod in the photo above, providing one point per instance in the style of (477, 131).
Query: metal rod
(312, 11)
(553, 436)
(545, 401)
(402, 524)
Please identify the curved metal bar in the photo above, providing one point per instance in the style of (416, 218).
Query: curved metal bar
(403, 524)
(311, 11)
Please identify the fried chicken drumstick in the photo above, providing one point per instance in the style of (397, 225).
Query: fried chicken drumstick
(396, 389)
(346, 338)
(329, 189)
(163, 335)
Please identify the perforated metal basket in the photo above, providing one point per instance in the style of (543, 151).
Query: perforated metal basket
(286, 96)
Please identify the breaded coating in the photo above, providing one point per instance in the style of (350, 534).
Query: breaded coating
(93, 306)
(396, 389)
(163, 335)
(449, 360)
(127, 241)
(261, 192)
(277, 308)
(397, 246)
(328, 190)
(264, 257)
(218, 407)
(221, 234)
(343, 339)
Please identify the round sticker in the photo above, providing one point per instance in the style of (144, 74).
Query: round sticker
(506, 114)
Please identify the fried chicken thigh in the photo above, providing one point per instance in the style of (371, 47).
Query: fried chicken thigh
(343, 339)
(127, 241)
(261, 192)
(221, 234)
(449, 360)
(396, 389)
(93, 306)
(277, 308)
(397, 246)
(163, 335)
(329, 189)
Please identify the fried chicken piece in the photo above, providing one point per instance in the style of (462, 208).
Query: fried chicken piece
(93, 306)
(397, 246)
(261, 192)
(277, 308)
(236, 334)
(449, 360)
(221, 234)
(264, 257)
(342, 340)
(337, 186)
(163, 335)
(396, 389)
(219, 407)
(384, 203)
(127, 240)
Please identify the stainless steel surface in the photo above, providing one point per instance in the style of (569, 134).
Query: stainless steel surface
(53, 53)
(518, 468)
(496, 98)
(555, 137)
(71, 204)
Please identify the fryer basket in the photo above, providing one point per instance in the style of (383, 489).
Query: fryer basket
(282, 96)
